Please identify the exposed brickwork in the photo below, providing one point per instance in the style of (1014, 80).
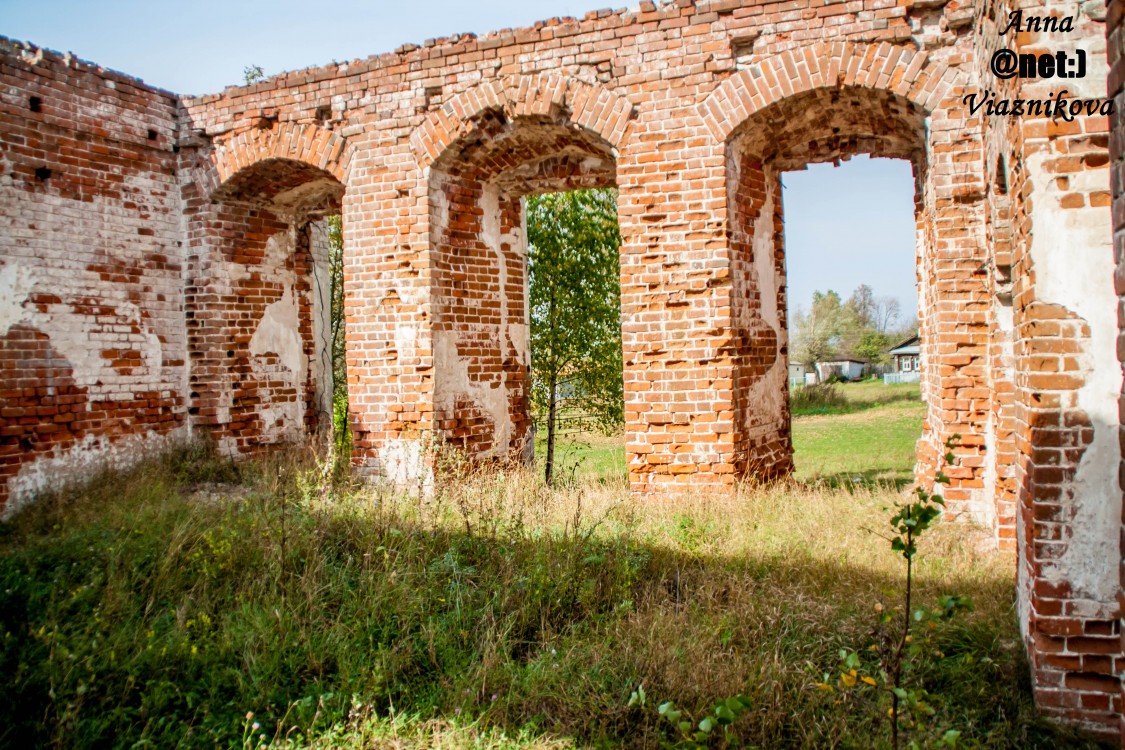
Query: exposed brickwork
(693, 111)
(1048, 186)
(92, 343)
(1115, 44)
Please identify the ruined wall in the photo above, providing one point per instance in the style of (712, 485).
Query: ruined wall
(1063, 331)
(641, 83)
(760, 389)
(1115, 43)
(256, 288)
(92, 338)
(693, 111)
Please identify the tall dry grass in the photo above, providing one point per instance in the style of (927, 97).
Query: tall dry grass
(163, 606)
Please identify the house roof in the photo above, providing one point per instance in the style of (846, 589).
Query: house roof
(911, 345)
(914, 341)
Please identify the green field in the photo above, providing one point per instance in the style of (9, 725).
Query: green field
(581, 455)
(870, 440)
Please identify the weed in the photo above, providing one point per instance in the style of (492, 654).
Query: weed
(816, 399)
(498, 613)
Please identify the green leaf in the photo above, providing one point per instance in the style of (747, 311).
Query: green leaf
(950, 737)
(706, 725)
(738, 704)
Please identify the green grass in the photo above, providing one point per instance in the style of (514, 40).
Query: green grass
(870, 440)
(150, 610)
(582, 455)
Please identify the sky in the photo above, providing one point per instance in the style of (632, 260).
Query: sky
(851, 225)
(844, 226)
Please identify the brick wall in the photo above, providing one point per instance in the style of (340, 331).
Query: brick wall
(92, 341)
(1051, 234)
(637, 90)
(1115, 43)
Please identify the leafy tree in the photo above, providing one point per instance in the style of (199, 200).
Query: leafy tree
(872, 346)
(575, 306)
(817, 337)
(860, 327)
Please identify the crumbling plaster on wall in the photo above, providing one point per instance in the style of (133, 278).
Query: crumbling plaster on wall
(404, 463)
(277, 353)
(1073, 261)
(277, 333)
(81, 340)
(769, 392)
(80, 462)
(323, 376)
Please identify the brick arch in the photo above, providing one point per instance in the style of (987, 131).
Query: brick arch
(899, 70)
(309, 144)
(594, 108)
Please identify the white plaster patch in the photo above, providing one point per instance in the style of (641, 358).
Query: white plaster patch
(16, 283)
(404, 463)
(766, 393)
(79, 462)
(519, 335)
(278, 333)
(764, 263)
(406, 338)
(1074, 268)
(152, 352)
(452, 377)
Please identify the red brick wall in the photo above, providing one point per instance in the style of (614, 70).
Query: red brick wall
(637, 82)
(1050, 236)
(92, 346)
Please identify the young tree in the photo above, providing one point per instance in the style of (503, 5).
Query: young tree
(252, 74)
(340, 430)
(575, 306)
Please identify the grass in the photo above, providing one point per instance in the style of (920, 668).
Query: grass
(585, 455)
(192, 604)
(866, 435)
(868, 440)
(853, 397)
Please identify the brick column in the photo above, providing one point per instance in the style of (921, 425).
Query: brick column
(1115, 36)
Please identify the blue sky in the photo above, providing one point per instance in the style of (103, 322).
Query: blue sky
(844, 227)
(851, 225)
